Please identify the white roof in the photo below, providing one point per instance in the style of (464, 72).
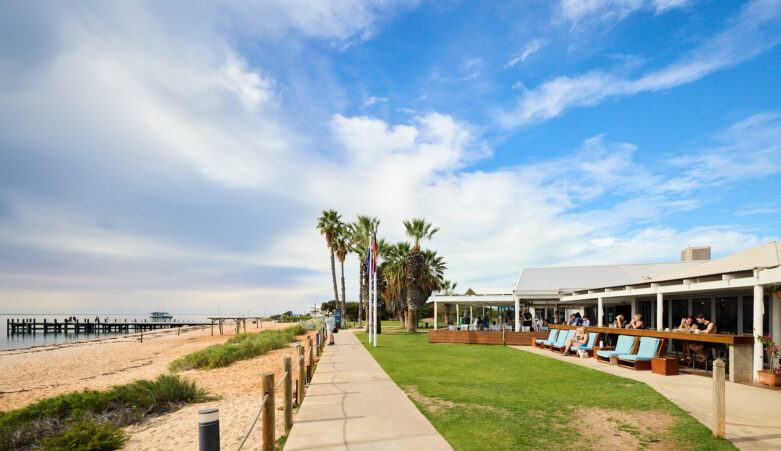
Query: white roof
(572, 278)
(490, 291)
(767, 255)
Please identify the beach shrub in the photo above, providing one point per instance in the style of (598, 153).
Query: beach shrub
(241, 347)
(120, 405)
(87, 436)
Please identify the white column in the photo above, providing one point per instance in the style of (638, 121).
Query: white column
(599, 312)
(759, 307)
(458, 317)
(659, 311)
(471, 315)
(633, 310)
(775, 319)
(517, 315)
(436, 323)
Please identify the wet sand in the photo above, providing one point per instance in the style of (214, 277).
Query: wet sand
(28, 375)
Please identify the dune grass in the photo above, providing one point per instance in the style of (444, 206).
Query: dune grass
(240, 347)
(93, 417)
(497, 398)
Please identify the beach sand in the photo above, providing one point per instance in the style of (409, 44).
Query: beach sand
(29, 375)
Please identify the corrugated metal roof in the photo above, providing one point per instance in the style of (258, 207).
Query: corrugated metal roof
(490, 291)
(766, 255)
(585, 277)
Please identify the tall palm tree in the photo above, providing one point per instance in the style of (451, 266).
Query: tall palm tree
(328, 224)
(449, 289)
(394, 270)
(417, 229)
(341, 246)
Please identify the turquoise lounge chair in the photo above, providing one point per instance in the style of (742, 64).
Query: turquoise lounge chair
(624, 345)
(589, 348)
(550, 340)
(649, 348)
(561, 342)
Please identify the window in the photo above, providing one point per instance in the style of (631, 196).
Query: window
(701, 306)
(680, 309)
(727, 315)
(645, 308)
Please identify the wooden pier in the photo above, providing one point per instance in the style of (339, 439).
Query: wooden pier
(32, 326)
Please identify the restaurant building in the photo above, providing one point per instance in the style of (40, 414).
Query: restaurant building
(741, 293)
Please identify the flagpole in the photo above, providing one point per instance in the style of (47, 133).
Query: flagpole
(375, 308)
(369, 299)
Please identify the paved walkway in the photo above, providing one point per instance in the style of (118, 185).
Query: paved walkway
(753, 414)
(352, 404)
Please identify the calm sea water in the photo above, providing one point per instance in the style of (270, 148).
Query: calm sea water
(17, 341)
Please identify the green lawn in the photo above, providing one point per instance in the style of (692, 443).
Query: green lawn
(495, 397)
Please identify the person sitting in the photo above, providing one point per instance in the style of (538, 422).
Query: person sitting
(579, 338)
(687, 326)
(636, 323)
(586, 321)
(706, 327)
(479, 324)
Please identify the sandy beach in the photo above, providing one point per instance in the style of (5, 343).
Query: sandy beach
(32, 374)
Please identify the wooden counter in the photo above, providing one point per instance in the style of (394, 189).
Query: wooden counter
(703, 338)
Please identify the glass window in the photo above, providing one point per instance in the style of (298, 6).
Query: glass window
(748, 315)
(727, 315)
(680, 309)
(644, 308)
(701, 306)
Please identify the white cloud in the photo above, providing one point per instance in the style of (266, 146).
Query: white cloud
(373, 100)
(531, 47)
(577, 11)
(752, 33)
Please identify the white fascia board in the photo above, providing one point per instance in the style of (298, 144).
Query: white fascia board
(681, 288)
(770, 276)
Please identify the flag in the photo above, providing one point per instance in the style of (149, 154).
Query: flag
(374, 254)
(369, 261)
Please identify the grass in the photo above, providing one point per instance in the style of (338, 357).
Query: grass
(92, 417)
(239, 347)
(495, 397)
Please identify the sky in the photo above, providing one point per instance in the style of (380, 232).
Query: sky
(176, 155)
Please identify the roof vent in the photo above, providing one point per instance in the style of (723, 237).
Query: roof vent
(695, 253)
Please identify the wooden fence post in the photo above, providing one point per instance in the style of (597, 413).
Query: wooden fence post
(301, 375)
(311, 366)
(268, 413)
(287, 387)
(719, 404)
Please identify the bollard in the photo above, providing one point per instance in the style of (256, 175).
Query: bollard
(301, 376)
(317, 350)
(719, 404)
(268, 413)
(287, 388)
(209, 430)
(311, 366)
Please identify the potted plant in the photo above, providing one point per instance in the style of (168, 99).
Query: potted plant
(772, 376)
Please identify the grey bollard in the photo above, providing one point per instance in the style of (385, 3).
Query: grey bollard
(209, 430)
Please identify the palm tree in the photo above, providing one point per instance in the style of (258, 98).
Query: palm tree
(417, 229)
(341, 246)
(394, 270)
(328, 224)
(449, 289)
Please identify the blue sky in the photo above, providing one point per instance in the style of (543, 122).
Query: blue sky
(175, 155)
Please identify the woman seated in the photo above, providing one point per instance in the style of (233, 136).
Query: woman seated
(580, 338)
(636, 323)
(687, 326)
(706, 327)
(619, 323)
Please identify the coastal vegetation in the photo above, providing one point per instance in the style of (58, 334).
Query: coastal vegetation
(241, 347)
(92, 419)
(496, 397)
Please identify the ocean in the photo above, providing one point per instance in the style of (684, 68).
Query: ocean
(18, 341)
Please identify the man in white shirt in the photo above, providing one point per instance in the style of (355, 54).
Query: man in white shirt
(330, 324)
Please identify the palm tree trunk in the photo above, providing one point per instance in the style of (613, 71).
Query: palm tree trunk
(333, 277)
(446, 312)
(403, 318)
(344, 298)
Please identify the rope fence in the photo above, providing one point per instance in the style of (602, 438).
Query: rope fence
(208, 420)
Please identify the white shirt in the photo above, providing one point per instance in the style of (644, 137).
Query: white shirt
(330, 323)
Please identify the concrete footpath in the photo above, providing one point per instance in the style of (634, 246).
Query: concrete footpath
(753, 413)
(352, 404)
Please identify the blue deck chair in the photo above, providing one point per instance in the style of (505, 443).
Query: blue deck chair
(561, 342)
(589, 346)
(550, 340)
(624, 345)
(649, 348)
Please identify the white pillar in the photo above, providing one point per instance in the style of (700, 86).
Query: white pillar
(633, 311)
(471, 315)
(759, 310)
(517, 315)
(599, 312)
(435, 315)
(659, 311)
(458, 317)
(775, 320)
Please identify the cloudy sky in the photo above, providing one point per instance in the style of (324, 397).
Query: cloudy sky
(176, 154)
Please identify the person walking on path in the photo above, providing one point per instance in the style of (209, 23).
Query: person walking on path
(330, 324)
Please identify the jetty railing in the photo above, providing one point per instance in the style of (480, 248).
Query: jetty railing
(208, 423)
